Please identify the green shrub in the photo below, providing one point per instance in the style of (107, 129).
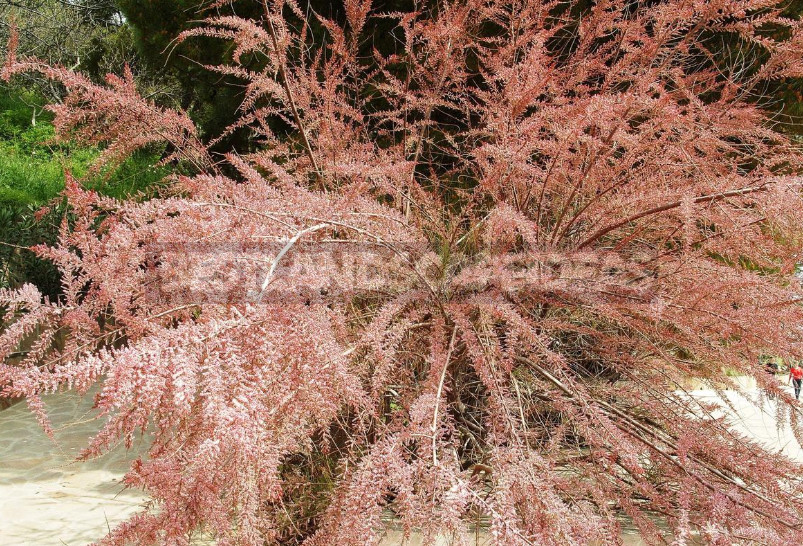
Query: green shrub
(32, 170)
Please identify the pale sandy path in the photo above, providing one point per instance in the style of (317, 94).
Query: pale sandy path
(758, 420)
(46, 499)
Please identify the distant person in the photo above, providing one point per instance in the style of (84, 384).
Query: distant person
(796, 375)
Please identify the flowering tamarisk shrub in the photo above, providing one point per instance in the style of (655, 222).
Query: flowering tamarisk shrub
(468, 274)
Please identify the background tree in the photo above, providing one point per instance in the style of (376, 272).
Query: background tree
(67, 33)
(467, 275)
(89, 35)
(212, 99)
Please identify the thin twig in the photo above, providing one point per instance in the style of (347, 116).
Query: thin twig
(290, 100)
(283, 251)
(438, 397)
(666, 440)
(669, 206)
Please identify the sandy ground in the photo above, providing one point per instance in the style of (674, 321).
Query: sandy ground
(46, 498)
(758, 420)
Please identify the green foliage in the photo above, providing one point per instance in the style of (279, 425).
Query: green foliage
(19, 230)
(32, 165)
(32, 170)
(209, 98)
(90, 35)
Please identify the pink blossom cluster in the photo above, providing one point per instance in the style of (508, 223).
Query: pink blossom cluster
(463, 281)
